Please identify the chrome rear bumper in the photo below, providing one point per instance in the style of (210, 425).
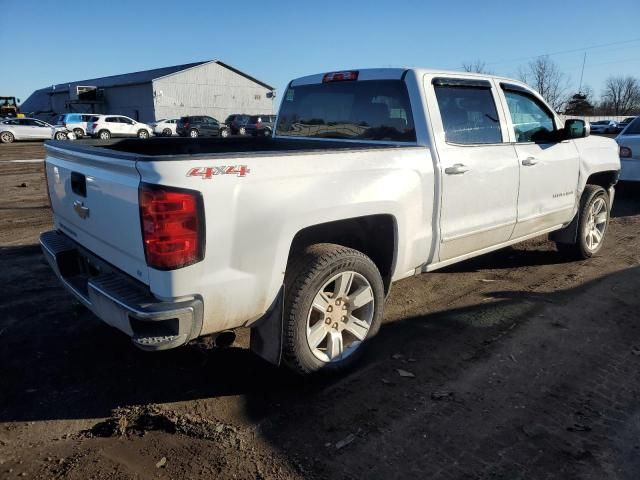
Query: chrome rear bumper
(118, 299)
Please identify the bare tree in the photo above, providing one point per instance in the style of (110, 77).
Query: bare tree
(621, 95)
(544, 75)
(476, 67)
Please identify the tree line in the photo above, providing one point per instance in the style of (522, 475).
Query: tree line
(620, 95)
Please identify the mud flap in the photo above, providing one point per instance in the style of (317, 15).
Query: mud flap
(568, 234)
(266, 333)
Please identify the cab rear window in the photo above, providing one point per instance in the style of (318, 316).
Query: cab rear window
(354, 110)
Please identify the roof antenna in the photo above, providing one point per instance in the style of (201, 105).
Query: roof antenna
(584, 60)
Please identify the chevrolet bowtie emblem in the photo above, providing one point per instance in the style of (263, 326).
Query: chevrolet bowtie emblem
(81, 210)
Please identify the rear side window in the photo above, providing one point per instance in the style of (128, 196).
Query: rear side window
(633, 128)
(469, 114)
(354, 110)
(112, 120)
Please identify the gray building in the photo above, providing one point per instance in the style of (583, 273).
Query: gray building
(203, 88)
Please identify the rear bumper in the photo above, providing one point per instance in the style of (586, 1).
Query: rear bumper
(119, 300)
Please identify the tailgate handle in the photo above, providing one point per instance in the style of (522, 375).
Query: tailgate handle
(79, 184)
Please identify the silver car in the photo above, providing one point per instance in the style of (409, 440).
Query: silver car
(604, 126)
(31, 129)
(629, 141)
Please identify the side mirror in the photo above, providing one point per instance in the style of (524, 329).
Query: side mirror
(576, 128)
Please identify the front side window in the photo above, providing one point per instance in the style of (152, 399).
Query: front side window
(126, 120)
(353, 110)
(532, 122)
(469, 114)
(633, 128)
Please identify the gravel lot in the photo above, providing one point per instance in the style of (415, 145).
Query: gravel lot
(524, 366)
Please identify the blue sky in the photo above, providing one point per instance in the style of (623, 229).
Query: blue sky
(55, 42)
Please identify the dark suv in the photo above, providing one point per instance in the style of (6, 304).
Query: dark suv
(260, 125)
(201, 126)
(236, 123)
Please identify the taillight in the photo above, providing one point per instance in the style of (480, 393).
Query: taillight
(173, 230)
(625, 152)
(94, 126)
(340, 76)
(259, 123)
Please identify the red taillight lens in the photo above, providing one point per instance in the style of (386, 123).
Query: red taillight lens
(172, 226)
(94, 126)
(340, 76)
(625, 152)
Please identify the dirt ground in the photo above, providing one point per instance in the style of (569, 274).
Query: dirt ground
(524, 366)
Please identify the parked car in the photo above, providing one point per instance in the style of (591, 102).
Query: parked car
(31, 129)
(629, 142)
(371, 176)
(623, 124)
(604, 126)
(260, 125)
(76, 122)
(236, 123)
(165, 127)
(106, 126)
(201, 126)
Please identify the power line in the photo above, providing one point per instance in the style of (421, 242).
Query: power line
(583, 49)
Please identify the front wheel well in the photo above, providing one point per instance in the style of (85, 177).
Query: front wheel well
(373, 235)
(604, 179)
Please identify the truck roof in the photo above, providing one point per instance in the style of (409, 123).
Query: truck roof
(396, 74)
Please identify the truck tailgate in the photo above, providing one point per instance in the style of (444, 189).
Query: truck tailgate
(95, 203)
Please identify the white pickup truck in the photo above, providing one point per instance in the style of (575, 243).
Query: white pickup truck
(371, 176)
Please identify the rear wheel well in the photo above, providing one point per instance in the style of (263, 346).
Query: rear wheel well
(604, 179)
(373, 235)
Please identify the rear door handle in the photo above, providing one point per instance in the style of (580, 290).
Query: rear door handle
(529, 161)
(456, 169)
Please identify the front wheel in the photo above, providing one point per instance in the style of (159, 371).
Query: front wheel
(242, 131)
(224, 133)
(6, 137)
(593, 220)
(334, 303)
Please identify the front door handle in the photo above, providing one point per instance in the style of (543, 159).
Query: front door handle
(456, 169)
(529, 161)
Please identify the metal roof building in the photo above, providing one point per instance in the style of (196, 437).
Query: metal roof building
(202, 88)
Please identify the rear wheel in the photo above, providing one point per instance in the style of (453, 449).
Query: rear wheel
(78, 132)
(166, 132)
(224, 133)
(193, 133)
(242, 131)
(104, 135)
(60, 136)
(143, 134)
(593, 221)
(6, 137)
(333, 305)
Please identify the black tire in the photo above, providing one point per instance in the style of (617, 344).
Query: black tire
(266, 132)
(142, 133)
(580, 249)
(224, 133)
(60, 136)
(242, 131)
(104, 134)
(166, 132)
(193, 133)
(79, 133)
(306, 274)
(7, 137)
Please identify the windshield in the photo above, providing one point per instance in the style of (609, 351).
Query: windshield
(7, 101)
(355, 110)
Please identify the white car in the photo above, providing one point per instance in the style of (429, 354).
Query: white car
(106, 126)
(604, 126)
(371, 176)
(165, 127)
(31, 129)
(629, 142)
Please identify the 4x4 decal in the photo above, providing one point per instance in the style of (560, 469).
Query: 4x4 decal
(209, 172)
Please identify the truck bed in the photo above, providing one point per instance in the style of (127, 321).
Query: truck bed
(157, 149)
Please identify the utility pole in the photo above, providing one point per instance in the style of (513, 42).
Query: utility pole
(584, 60)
